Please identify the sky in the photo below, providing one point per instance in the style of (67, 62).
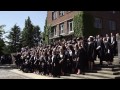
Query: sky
(10, 18)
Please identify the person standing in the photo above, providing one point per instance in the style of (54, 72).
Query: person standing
(108, 51)
(108, 38)
(81, 59)
(91, 52)
(100, 49)
(55, 64)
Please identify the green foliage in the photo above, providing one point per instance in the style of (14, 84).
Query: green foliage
(84, 25)
(2, 44)
(36, 35)
(30, 34)
(88, 23)
(7, 49)
(27, 34)
(2, 30)
(78, 24)
(14, 39)
(47, 31)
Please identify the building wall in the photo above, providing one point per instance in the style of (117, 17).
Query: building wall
(105, 16)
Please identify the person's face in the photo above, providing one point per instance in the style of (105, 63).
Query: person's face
(111, 34)
(98, 36)
(106, 35)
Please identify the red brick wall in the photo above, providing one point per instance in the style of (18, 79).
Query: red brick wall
(104, 15)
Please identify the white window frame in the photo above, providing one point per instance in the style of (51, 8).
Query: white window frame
(61, 13)
(112, 25)
(55, 32)
(61, 28)
(54, 15)
(98, 23)
(69, 28)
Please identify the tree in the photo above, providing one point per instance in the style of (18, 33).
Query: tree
(47, 32)
(36, 35)
(7, 49)
(14, 38)
(2, 30)
(84, 24)
(27, 34)
(45, 36)
(2, 43)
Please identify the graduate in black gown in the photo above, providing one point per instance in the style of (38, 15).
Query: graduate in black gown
(91, 52)
(114, 46)
(64, 58)
(49, 63)
(100, 49)
(55, 64)
(81, 54)
(108, 51)
(85, 46)
(70, 58)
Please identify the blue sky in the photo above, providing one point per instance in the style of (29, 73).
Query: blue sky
(10, 18)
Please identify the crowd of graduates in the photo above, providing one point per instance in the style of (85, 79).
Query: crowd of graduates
(66, 57)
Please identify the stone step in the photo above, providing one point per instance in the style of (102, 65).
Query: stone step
(88, 76)
(107, 69)
(70, 77)
(115, 56)
(104, 75)
(109, 72)
(106, 66)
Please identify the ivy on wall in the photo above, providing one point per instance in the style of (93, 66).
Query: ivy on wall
(83, 24)
(78, 24)
(47, 33)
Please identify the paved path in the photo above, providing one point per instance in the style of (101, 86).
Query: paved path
(31, 75)
(8, 72)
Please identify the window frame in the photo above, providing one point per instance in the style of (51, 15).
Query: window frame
(98, 23)
(61, 31)
(112, 25)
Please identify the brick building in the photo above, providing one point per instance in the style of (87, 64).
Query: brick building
(62, 22)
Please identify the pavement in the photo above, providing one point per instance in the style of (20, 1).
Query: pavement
(6, 74)
(10, 72)
(31, 75)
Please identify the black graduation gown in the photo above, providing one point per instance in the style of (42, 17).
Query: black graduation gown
(108, 51)
(64, 64)
(91, 52)
(95, 51)
(101, 50)
(81, 62)
(46, 64)
(37, 63)
(85, 46)
(56, 65)
(50, 64)
(114, 47)
(42, 63)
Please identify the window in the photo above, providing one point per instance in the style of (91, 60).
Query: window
(54, 15)
(61, 13)
(98, 23)
(61, 28)
(69, 11)
(54, 29)
(112, 25)
(70, 25)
